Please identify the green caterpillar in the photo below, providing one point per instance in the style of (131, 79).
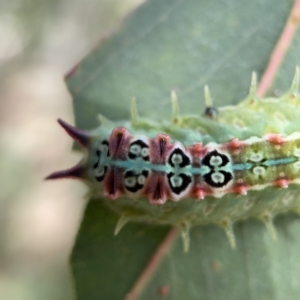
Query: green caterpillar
(190, 170)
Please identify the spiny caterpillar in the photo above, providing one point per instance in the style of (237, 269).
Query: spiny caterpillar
(232, 163)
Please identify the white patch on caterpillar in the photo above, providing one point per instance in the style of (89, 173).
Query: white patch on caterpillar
(259, 171)
(297, 152)
(145, 152)
(176, 159)
(217, 177)
(103, 148)
(141, 179)
(130, 181)
(135, 149)
(215, 161)
(256, 157)
(99, 172)
(297, 165)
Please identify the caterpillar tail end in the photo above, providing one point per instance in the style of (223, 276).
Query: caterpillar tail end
(76, 172)
(81, 136)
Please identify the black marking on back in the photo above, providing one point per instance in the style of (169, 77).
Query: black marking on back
(211, 112)
(216, 178)
(98, 159)
(208, 179)
(99, 155)
(185, 159)
(135, 177)
(106, 143)
(186, 181)
(208, 156)
(100, 178)
(141, 144)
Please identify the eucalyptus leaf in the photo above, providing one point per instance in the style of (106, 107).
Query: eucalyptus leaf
(183, 45)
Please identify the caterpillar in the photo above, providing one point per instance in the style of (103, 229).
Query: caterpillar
(197, 169)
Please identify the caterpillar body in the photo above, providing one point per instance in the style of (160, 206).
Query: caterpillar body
(215, 168)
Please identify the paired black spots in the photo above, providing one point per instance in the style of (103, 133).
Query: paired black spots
(135, 181)
(179, 158)
(216, 177)
(215, 159)
(137, 149)
(100, 169)
(214, 167)
(178, 180)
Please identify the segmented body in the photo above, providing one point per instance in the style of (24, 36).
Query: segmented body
(136, 166)
(221, 167)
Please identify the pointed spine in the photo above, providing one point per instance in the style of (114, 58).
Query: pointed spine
(175, 107)
(294, 89)
(185, 235)
(121, 223)
(76, 172)
(210, 111)
(81, 136)
(228, 228)
(207, 96)
(267, 218)
(133, 112)
(253, 86)
(103, 120)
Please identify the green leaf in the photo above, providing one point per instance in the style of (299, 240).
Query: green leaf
(183, 45)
